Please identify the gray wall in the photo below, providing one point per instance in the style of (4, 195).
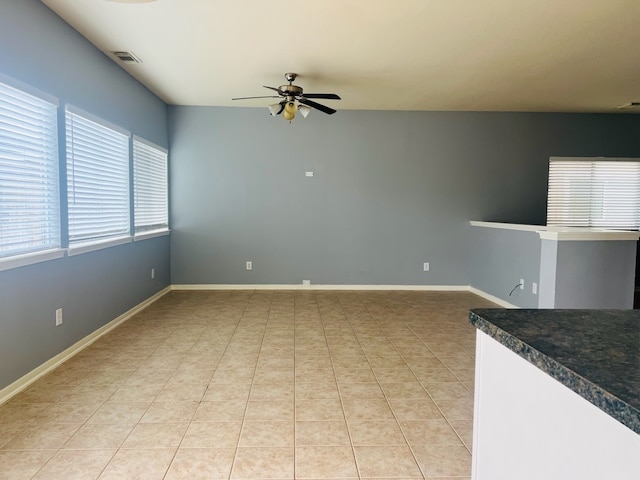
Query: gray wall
(595, 274)
(39, 49)
(392, 189)
(500, 258)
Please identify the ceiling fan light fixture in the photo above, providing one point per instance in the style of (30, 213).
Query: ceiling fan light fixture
(287, 115)
(304, 110)
(290, 107)
(275, 109)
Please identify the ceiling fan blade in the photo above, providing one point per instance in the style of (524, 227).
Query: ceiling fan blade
(328, 96)
(271, 88)
(248, 98)
(317, 106)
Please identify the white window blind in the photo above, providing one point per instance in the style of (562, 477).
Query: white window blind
(29, 199)
(594, 193)
(97, 179)
(149, 187)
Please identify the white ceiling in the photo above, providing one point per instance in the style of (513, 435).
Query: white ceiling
(502, 55)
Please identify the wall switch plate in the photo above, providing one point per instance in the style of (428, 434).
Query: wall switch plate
(534, 288)
(249, 266)
(153, 273)
(306, 283)
(522, 284)
(425, 266)
(58, 317)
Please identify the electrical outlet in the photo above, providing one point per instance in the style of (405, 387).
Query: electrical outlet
(534, 288)
(522, 284)
(425, 266)
(306, 283)
(58, 317)
(249, 265)
(153, 273)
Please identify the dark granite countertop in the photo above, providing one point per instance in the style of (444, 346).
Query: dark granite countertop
(595, 353)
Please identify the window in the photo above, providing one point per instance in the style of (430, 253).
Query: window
(594, 193)
(150, 205)
(29, 198)
(97, 180)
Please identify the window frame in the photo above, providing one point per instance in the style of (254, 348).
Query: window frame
(157, 229)
(99, 240)
(45, 157)
(580, 190)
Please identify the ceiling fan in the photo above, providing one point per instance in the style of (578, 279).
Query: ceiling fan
(293, 100)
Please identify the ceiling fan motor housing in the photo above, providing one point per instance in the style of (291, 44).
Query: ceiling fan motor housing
(290, 90)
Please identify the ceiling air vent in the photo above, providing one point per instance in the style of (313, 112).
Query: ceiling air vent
(629, 105)
(127, 57)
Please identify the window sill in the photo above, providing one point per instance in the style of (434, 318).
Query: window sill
(87, 247)
(150, 234)
(30, 258)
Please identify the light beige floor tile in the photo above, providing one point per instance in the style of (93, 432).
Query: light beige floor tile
(324, 409)
(149, 376)
(201, 464)
(414, 409)
(10, 430)
(464, 429)
(96, 436)
(269, 410)
(394, 374)
(135, 393)
(267, 434)
(349, 361)
(351, 391)
(228, 411)
(233, 375)
(248, 345)
(367, 409)
(404, 390)
(264, 463)
(155, 435)
(23, 464)
(119, 413)
(221, 392)
(425, 432)
(42, 437)
(376, 432)
(181, 393)
(139, 464)
(271, 391)
(314, 374)
(325, 462)
(446, 390)
(457, 408)
(75, 464)
(387, 461)
(21, 413)
(89, 394)
(354, 375)
(443, 460)
(212, 435)
(322, 434)
(325, 390)
(162, 412)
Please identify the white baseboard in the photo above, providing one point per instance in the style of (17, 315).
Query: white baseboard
(23, 382)
(297, 286)
(424, 288)
(492, 298)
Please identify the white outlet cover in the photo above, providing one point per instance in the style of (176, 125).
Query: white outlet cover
(308, 174)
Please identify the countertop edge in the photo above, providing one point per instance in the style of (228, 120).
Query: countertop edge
(596, 395)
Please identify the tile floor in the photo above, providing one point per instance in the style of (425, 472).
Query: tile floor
(258, 385)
